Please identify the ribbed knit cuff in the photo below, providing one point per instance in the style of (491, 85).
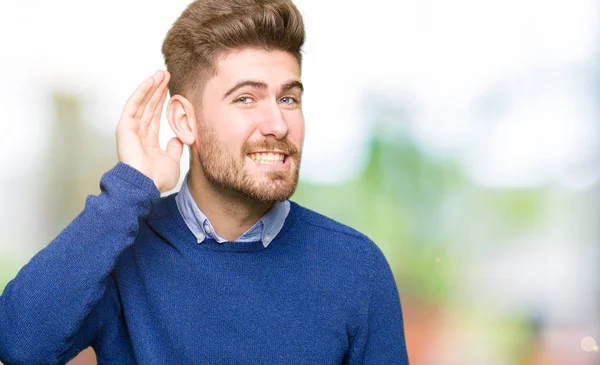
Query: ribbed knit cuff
(135, 178)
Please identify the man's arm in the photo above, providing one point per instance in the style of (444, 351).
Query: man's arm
(380, 338)
(44, 308)
(55, 306)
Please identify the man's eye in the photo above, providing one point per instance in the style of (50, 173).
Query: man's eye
(244, 100)
(288, 100)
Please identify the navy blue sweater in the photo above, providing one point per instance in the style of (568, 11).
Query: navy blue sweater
(128, 278)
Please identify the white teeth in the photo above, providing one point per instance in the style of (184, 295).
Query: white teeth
(267, 158)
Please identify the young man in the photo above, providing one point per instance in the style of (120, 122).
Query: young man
(227, 271)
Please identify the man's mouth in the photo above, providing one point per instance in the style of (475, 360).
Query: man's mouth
(267, 157)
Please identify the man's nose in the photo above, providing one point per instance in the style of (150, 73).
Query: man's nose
(273, 121)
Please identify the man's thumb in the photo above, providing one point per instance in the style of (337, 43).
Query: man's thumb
(175, 148)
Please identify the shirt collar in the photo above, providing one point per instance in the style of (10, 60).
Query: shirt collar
(265, 230)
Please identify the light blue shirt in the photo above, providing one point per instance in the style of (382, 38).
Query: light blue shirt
(265, 230)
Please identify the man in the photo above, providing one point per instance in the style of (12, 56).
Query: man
(227, 271)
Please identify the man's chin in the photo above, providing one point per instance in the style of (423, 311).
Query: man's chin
(273, 195)
(269, 191)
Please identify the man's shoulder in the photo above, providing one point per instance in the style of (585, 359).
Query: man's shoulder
(162, 208)
(164, 217)
(331, 228)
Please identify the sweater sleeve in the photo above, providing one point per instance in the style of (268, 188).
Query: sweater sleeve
(380, 338)
(49, 311)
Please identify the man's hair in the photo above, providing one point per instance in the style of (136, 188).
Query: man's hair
(208, 28)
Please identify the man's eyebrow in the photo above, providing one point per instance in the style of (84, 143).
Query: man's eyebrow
(256, 84)
(291, 85)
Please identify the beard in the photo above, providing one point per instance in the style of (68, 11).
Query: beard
(229, 172)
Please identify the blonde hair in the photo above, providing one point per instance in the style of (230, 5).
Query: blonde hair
(209, 28)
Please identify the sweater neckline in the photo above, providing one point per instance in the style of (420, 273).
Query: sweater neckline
(170, 223)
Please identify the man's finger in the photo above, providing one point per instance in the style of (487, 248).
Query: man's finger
(158, 78)
(175, 148)
(134, 101)
(154, 125)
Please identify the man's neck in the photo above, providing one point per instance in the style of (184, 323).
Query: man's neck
(229, 213)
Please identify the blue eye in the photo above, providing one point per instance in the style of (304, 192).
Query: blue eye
(244, 100)
(288, 100)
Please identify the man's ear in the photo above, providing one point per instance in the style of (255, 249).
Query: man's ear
(182, 119)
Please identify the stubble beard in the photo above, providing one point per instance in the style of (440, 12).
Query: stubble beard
(226, 171)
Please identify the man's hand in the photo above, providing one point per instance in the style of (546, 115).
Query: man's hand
(137, 134)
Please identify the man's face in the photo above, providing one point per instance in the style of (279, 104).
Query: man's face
(251, 126)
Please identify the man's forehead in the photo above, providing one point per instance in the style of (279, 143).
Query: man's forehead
(269, 66)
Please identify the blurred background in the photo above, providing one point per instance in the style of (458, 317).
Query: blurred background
(462, 136)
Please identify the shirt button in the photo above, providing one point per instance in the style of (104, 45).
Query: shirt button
(207, 228)
(200, 237)
(267, 238)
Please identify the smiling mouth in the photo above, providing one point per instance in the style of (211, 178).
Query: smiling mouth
(268, 157)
